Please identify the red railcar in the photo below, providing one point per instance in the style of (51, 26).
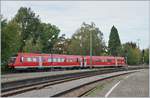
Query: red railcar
(34, 60)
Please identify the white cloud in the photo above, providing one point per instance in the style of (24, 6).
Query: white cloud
(130, 17)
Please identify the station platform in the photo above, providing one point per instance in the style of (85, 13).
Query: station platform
(22, 76)
(130, 85)
(134, 85)
(62, 87)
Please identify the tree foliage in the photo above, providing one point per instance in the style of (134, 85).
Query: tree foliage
(146, 56)
(26, 33)
(49, 37)
(80, 41)
(114, 43)
(30, 26)
(132, 53)
(10, 40)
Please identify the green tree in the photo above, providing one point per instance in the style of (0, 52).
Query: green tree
(146, 56)
(114, 43)
(60, 45)
(29, 25)
(134, 56)
(80, 41)
(10, 40)
(30, 47)
(49, 37)
(132, 53)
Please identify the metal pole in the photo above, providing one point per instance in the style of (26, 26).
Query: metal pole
(91, 49)
(138, 42)
(81, 63)
(126, 59)
(143, 60)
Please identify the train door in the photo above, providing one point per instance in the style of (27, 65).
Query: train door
(116, 62)
(81, 62)
(40, 61)
(85, 62)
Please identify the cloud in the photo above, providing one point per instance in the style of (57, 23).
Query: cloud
(130, 17)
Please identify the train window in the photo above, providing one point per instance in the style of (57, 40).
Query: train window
(43, 59)
(49, 60)
(69, 60)
(59, 59)
(12, 60)
(34, 59)
(103, 60)
(54, 59)
(109, 60)
(29, 59)
(98, 60)
(62, 60)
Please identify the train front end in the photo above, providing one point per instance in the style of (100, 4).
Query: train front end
(11, 62)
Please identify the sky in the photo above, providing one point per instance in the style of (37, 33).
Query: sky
(131, 18)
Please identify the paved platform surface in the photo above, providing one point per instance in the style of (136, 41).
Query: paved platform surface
(21, 76)
(130, 85)
(58, 88)
(134, 85)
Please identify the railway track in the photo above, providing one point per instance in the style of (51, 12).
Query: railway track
(12, 88)
(84, 89)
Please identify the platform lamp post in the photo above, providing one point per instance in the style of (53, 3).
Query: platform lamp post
(91, 31)
(126, 54)
(143, 57)
(138, 42)
(81, 47)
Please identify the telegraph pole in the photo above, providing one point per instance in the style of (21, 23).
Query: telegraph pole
(91, 31)
(91, 49)
(138, 42)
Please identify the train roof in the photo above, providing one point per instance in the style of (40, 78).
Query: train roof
(63, 55)
(42, 54)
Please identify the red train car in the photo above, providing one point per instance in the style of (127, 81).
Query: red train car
(104, 61)
(34, 60)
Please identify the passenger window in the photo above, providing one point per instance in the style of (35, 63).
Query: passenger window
(54, 59)
(103, 60)
(62, 60)
(109, 60)
(58, 59)
(98, 60)
(49, 60)
(34, 60)
(29, 59)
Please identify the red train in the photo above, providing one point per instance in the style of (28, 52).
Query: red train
(34, 60)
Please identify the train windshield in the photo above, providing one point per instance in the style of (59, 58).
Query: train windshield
(12, 60)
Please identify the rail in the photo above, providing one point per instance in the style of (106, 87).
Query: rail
(16, 87)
